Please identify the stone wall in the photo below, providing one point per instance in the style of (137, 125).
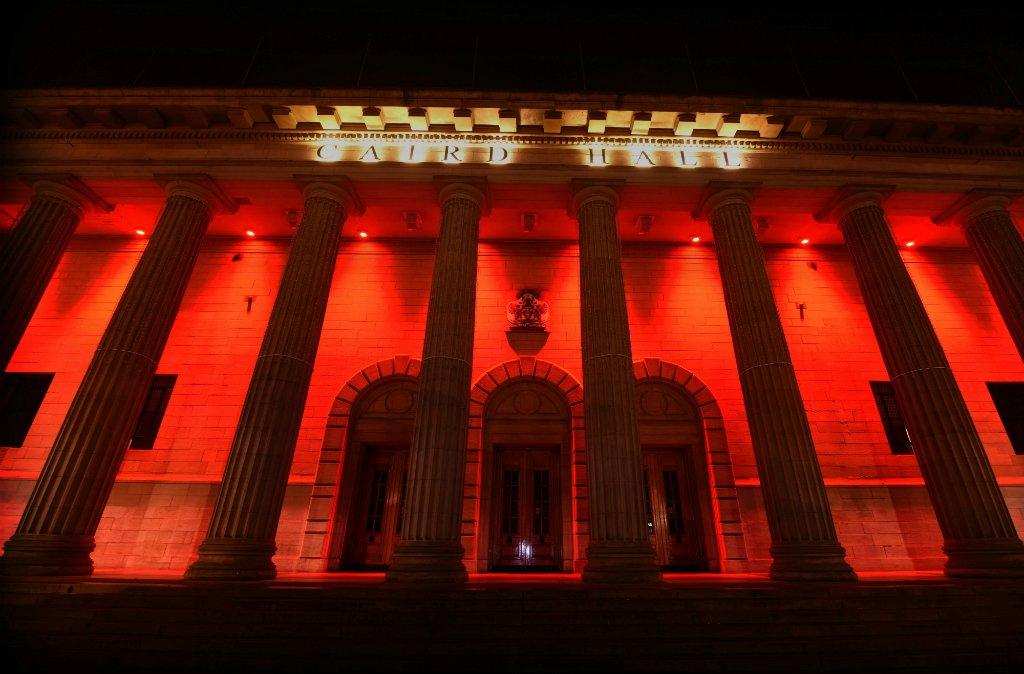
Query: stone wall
(377, 308)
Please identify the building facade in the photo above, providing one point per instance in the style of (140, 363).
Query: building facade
(258, 332)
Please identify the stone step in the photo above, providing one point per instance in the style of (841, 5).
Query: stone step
(261, 627)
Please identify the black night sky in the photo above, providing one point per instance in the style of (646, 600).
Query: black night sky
(933, 52)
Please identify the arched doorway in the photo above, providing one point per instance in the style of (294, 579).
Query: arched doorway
(371, 493)
(526, 514)
(690, 496)
(670, 440)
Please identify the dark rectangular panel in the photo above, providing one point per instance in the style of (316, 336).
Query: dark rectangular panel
(1009, 400)
(153, 411)
(892, 417)
(21, 394)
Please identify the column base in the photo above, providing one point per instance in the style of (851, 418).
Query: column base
(427, 562)
(986, 558)
(233, 559)
(45, 555)
(625, 563)
(810, 562)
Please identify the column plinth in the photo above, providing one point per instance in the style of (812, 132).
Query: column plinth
(620, 549)
(55, 534)
(430, 549)
(979, 535)
(33, 250)
(240, 542)
(804, 541)
(998, 246)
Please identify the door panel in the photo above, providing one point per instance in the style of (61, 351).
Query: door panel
(527, 499)
(672, 511)
(377, 519)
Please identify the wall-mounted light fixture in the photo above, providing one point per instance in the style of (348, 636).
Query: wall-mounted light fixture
(644, 224)
(412, 220)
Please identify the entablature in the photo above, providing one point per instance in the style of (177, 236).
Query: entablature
(440, 111)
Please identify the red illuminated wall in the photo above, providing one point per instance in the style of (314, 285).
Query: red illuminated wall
(158, 512)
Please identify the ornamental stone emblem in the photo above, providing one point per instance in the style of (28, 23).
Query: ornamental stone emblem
(527, 313)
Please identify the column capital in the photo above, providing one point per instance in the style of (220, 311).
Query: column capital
(851, 197)
(69, 188)
(200, 187)
(468, 188)
(586, 191)
(339, 189)
(974, 203)
(720, 193)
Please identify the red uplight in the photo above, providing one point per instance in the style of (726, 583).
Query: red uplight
(804, 242)
(250, 233)
(363, 235)
(140, 232)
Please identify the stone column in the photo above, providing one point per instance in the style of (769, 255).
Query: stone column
(997, 243)
(240, 543)
(430, 549)
(804, 541)
(33, 249)
(620, 549)
(55, 535)
(980, 539)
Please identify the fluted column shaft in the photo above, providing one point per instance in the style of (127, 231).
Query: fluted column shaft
(620, 549)
(240, 543)
(980, 538)
(804, 541)
(999, 248)
(30, 256)
(55, 535)
(430, 548)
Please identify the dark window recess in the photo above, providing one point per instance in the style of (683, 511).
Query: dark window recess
(892, 418)
(673, 503)
(153, 411)
(648, 511)
(1009, 400)
(21, 394)
(378, 499)
(510, 509)
(541, 503)
(401, 503)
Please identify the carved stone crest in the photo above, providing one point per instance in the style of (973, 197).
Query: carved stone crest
(527, 313)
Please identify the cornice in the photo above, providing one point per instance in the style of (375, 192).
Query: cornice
(470, 98)
(291, 115)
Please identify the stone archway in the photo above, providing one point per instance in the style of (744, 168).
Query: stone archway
(563, 391)
(321, 542)
(723, 536)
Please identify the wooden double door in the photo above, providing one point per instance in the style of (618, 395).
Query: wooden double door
(376, 523)
(672, 509)
(527, 510)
